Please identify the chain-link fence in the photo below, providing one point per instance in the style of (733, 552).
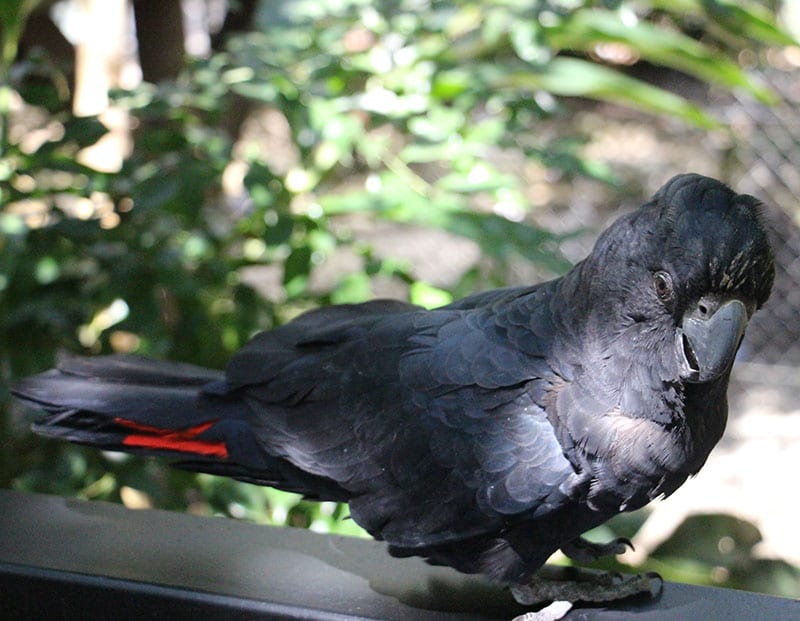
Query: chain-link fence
(765, 161)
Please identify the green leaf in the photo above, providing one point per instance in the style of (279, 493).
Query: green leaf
(572, 77)
(350, 202)
(261, 184)
(565, 154)
(353, 288)
(84, 131)
(501, 238)
(498, 237)
(437, 124)
(296, 270)
(81, 132)
(257, 91)
(156, 191)
(583, 30)
(744, 18)
(437, 152)
(42, 91)
(428, 296)
(278, 229)
(13, 15)
(449, 84)
(480, 178)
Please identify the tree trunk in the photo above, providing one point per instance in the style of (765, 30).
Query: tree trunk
(159, 32)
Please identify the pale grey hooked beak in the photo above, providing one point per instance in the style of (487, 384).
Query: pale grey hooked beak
(711, 334)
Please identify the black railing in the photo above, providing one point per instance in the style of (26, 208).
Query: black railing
(68, 559)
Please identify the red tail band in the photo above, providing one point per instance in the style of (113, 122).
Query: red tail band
(182, 441)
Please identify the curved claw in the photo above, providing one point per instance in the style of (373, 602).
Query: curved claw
(657, 586)
(585, 551)
(623, 545)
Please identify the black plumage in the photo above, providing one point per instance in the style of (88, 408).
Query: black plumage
(485, 434)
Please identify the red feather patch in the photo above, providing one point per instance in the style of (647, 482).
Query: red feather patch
(183, 441)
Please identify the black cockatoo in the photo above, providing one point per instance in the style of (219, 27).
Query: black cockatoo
(488, 433)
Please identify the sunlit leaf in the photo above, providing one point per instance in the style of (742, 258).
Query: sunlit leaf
(428, 296)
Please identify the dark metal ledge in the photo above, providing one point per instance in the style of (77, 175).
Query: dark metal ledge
(69, 559)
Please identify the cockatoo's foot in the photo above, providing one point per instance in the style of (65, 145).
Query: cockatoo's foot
(573, 584)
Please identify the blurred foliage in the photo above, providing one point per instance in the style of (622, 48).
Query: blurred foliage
(708, 549)
(391, 110)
